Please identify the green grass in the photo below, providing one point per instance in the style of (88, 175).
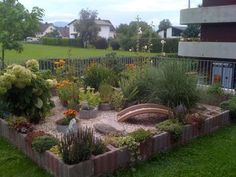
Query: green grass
(210, 156)
(14, 164)
(34, 51)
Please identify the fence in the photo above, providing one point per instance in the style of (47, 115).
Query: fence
(208, 71)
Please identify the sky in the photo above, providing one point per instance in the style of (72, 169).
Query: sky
(117, 11)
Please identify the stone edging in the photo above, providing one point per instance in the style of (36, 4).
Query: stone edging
(115, 158)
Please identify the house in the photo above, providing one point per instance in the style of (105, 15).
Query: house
(107, 30)
(63, 31)
(218, 38)
(172, 32)
(44, 29)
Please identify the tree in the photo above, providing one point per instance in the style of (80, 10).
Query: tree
(16, 23)
(127, 35)
(87, 27)
(192, 31)
(164, 25)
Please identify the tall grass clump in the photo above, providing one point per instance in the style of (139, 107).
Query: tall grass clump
(175, 85)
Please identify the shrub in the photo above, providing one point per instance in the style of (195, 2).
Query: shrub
(98, 147)
(171, 45)
(101, 43)
(96, 74)
(20, 124)
(32, 135)
(215, 89)
(173, 86)
(173, 126)
(76, 147)
(34, 100)
(140, 135)
(62, 42)
(230, 105)
(115, 45)
(44, 143)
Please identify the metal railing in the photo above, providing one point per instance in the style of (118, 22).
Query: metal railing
(208, 71)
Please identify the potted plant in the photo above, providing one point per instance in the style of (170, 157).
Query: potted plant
(63, 124)
(106, 92)
(89, 101)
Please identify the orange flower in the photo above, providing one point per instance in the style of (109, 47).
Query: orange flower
(60, 63)
(131, 66)
(70, 113)
(63, 84)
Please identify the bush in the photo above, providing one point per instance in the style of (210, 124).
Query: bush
(44, 143)
(32, 135)
(231, 106)
(89, 99)
(77, 147)
(34, 100)
(101, 43)
(20, 124)
(141, 135)
(96, 74)
(117, 100)
(173, 86)
(106, 92)
(171, 46)
(173, 126)
(62, 42)
(215, 89)
(115, 45)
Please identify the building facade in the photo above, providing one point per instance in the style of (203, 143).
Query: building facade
(107, 30)
(218, 30)
(172, 32)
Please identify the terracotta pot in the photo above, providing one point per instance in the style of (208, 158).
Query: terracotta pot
(88, 114)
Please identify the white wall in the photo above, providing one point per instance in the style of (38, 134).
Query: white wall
(221, 50)
(50, 29)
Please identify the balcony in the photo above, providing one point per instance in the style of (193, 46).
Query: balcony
(216, 50)
(213, 14)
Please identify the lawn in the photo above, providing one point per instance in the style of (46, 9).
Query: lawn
(210, 156)
(43, 51)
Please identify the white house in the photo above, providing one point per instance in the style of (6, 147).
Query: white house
(44, 29)
(107, 30)
(172, 32)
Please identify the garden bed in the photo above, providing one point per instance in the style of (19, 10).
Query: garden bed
(115, 158)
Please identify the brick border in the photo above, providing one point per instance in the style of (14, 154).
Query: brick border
(115, 158)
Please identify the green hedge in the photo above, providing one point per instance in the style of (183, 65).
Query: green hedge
(62, 42)
(171, 46)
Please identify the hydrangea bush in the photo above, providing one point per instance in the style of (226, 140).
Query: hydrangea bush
(25, 91)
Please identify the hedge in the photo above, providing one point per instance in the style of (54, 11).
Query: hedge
(171, 46)
(62, 42)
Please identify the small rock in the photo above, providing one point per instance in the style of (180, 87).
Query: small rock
(105, 129)
(200, 107)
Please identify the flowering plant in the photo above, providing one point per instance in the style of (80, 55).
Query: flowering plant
(60, 68)
(33, 65)
(89, 97)
(70, 113)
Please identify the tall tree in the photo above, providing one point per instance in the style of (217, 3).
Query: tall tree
(192, 31)
(164, 25)
(87, 27)
(16, 23)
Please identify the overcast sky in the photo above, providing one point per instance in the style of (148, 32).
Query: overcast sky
(117, 11)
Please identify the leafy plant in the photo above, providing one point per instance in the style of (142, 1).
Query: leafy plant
(44, 143)
(215, 89)
(96, 74)
(117, 100)
(140, 135)
(130, 143)
(55, 150)
(106, 92)
(89, 98)
(20, 124)
(231, 106)
(174, 86)
(173, 126)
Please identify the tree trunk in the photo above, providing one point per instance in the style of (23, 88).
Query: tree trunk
(3, 57)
